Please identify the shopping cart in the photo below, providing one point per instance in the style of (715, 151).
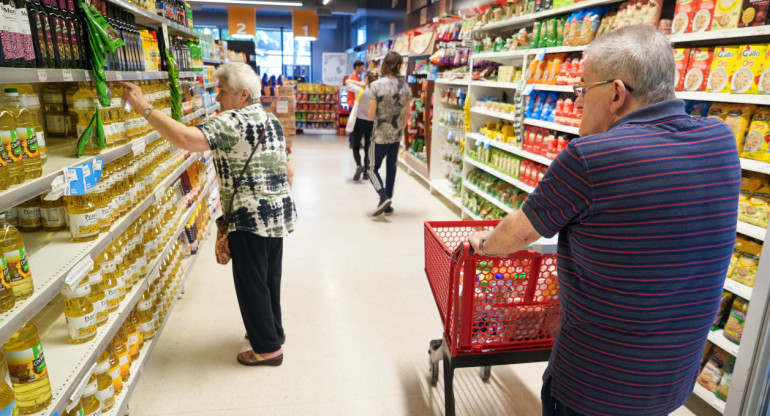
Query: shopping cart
(495, 310)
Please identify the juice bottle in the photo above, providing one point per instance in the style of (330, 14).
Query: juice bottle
(84, 105)
(7, 398)
(91, 405)
(26, 365)
(79, 313)
(109, 284)
(114, 372)
(7, 300)
(106, 389)
(16, 259)
(29, 99)
(132, 338)
(29, 216)
(82, 217)
(121, 351)
(53, 214)
(12, 157)
(145, 312)
(96, 296)
(26, 132)
(57, 118)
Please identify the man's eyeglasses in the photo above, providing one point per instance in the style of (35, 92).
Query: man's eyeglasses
(581, 87)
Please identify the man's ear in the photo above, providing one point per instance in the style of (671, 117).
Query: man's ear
(619, 96)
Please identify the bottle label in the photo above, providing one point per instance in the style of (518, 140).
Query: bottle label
(28, 138)
(84, 225)
(91, 388)
(5, 279)
(149, 326)
(29, 217)
(106, 395)
(74, 40)
(95, 276)
(133, 343)
(115, 374)
(100, 308)
(87, 104)
(31, 101)
(53, 217)
(124, 362)
(18, 265)
(105, 214)
(41, 142)
(102, 367)
(10, 27)
(26, 366)
(53, 98)
(12, 148)
(144, 305)
(57, 124)
(81, 327)
(112, 297)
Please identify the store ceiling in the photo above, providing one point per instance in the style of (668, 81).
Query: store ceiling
(333, 6)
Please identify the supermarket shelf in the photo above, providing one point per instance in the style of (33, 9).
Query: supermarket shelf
(444, 187)
(213, 109)
(198, 113)
(33, 75)
(511, 149)
(490, 113)
(741, 33)
(189, 74)
(518, 53)
(416, 165)
(148, 18)
(557, 49)
(757, 99)
(458, 82)
(738, 288)
(212, 61)
(717, 338)
(557, 88)
(134, 75)
(212, 84)
(525, 20)
(52, 256)
(487, 196)
(755, 165)
(552, 126)
(510, 179)
(60, 157)
(495, 84)
(470, 213)
(709, 398)
(752, 230)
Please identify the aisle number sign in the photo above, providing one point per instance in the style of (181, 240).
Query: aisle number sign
(304, 24)
(242, 21)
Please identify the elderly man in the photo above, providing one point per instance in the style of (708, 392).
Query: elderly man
(645, 205)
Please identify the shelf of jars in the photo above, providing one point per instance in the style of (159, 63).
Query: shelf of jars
(212, 84)
(53, 257)
(528, 19)
(60, 157)
(149, 18)
(34, 75)
(752, 230)
(552, 126)
(489, 169)
(510, 148)
(757, 99)
(66, 373)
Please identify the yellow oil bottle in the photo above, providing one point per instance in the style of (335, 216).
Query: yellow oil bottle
(57, 118)
(11, 147)
(109, 133)
(84, 105)
(26, 132)
(29, 99)
(121, 351)
(4, 180)
(16, 259)
(53, 214)
(91, 405)
(109, 284)
(27, 368)
(69, 100)
(29, 216)
(75, 407)
(82, 217)
(132, 338)
(139, 253)
(7, 398)
(96, 296)
(7, 301)
(101, 199)
(105, 387)
(114, 372)
(79, 313)
(144, 309)
(115, 251)
(131, 275)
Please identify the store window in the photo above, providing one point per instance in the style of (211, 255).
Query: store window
(277, 50)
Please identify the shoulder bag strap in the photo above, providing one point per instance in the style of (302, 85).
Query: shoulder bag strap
(243, 171)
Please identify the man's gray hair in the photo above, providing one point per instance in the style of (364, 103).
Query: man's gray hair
(641, 57)
(239, 76)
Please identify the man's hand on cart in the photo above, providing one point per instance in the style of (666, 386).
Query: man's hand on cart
(514, 233)
(475, 240)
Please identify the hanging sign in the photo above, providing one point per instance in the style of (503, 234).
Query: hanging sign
(304, 24)
(242, 21)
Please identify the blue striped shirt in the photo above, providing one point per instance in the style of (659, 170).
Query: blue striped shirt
(647, 215)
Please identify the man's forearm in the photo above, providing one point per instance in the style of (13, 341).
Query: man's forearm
(512, 234)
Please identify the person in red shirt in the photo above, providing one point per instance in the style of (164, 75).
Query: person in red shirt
(354, 84)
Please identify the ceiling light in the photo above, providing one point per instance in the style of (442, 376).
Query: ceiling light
(253, 2)
(326, 2)
(308, 38)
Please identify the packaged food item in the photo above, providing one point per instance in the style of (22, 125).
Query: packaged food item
(727, 377)
(748, 261)
(754, 13)
(755, 145)
(712, 372)
(683, 16)
(681, 57)
(734, 325)
(724, 304)
(722, 67)
(720, 110)
(651, 12)
(740, 241)
(738, 119)
(700, 109)
(701, 22)
(590, 26)
(727, 14)
(698, 69)
(745, 79)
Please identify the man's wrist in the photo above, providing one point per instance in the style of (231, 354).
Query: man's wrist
(481, 246)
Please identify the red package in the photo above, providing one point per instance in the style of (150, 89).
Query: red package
(701, 21)
(698, 68)
(683, 16)
(681, 57)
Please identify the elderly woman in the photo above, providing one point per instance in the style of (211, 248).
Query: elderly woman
(263, 210)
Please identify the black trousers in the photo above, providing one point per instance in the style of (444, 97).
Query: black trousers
(257, 273)
(551, 406)
(378, 153)
(362, 129)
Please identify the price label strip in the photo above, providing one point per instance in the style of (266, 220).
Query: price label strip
(42, 75)
(67, 74)
(98, 168)
(138, 147)
(76, 275)
(58, 186)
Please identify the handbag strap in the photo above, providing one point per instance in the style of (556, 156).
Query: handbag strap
(240, 177)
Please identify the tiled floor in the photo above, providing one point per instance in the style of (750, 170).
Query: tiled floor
(358, 314)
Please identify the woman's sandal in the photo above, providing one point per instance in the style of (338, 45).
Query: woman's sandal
(251, 358)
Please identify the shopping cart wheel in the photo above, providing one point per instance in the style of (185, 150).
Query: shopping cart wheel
(433, 373)
(435, 355)
(486, 372)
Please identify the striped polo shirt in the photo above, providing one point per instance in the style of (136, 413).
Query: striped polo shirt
(646, 214)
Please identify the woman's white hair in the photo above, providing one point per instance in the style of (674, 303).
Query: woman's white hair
(640, 56)
(239, 76)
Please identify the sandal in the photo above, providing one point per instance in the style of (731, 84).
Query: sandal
(251, 358)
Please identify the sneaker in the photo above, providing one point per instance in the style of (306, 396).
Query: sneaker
(389, 211)
(359, 171)
(366, 176)
(384, 204)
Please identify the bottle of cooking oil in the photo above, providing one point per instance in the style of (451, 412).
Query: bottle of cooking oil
(26, 364)
(75, 407)
(149, 240)
(109, 284)
(132, 338)
(11, 146)
(82, 216)
(100, 197)
(106, 387)
(26, 134)
(109, 133)
(16, 259)
(121, 351)
(69, 99)
(139, 253)
(145, 312)
(12, 216)
(85, 104)
(115, 250)
(91, 405)
(56, 117)
(114, 372)
(7, 398)
(7, 300)
(131, 274)
(79, 313)
(96, 296)
(29, 99)
(29, 216)
(53, 214)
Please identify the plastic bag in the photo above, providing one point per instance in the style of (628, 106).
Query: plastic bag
(99, 25)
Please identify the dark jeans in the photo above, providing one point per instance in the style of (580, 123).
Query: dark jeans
(551, 406)
(257, 274)
(378, 152)
(362, 129)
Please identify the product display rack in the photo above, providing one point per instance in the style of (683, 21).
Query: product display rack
(148, 18)
(33, 75)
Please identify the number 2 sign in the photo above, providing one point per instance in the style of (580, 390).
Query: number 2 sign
(242, 21)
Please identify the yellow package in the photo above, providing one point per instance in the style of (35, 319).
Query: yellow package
(722, 67)
(740, 241)
(746, 268)
(720, 110)
(745, 79)
(727, 14)
(755, 145)
(738, 120)
(755, 211)
(748, 186)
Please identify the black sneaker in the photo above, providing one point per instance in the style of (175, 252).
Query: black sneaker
(388, 212)
(359, 171)
(366, 176)
(383, 205)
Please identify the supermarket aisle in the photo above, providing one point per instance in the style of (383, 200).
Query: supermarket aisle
(358, 314)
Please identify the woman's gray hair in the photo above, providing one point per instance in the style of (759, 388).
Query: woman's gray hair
(640, 56)
(239, 76)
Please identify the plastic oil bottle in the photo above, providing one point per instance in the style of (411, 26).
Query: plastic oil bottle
(29, 99)
(115, 250)
(29, 216)
(7, 398)
(109, 284)
(53, 214)
(69, 99)
(16, 259)
(132, 338)
(27, 367)
(79, 313)
(91, 405)
(7, 301)
(144, 309)
(26, 132)
(84, 105)
(56, 117)
(82, 217)
(121, 352)
(100, 197)
(11, 146)
(106, 388)
(96, 296)
(4, 180)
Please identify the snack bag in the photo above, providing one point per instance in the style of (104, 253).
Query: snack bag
(727, 377)
(727, 297)
(740, 241)
(722, 67)
(590, 26)
(738, 119)
(755, 145)
(620, 17)
(748, 262)
(734, 325)
(700, 109)
(712, 372)
(749, 69)
(727, 14)
(651, 12)
(754, 13)
(748, 186)
(681, 57)
(720, 110)
(698, 69)
(683, 16)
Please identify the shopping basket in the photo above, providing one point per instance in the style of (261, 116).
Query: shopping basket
(495, 310)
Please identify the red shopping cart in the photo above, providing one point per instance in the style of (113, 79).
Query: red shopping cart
(495, 310)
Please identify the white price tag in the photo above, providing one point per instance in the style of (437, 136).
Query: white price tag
(119, 76)
(42, 75)
(76, 395)
(139, 75)
(154, 275)
(79, 272)
(138, 146)
(159, 194)
(89, 76)
(98, 164)
(58, 186)
(282, 107)
(67, 74)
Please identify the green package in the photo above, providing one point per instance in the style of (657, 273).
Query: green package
(100, 140)
(98, 24)
(83, 139)
(536, 34)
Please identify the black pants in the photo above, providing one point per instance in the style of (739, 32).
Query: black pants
(378, 152)
(362, 129)
(551, 406)
(257, 274)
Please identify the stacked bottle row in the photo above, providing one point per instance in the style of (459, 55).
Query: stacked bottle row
(21, 150)
(193, 231)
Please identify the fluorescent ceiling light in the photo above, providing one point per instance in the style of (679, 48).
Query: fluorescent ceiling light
(240, 36)
(326, 2)
(310, 38)
(253, 2)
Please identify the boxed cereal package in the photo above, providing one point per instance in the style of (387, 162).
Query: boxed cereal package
(755, 145)
(727, 14)
(701, 22)
(763, 83)
(681, 57)
(722, 67)
(754, 13)
(749, 69)
(683, 16)
(698, 67)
